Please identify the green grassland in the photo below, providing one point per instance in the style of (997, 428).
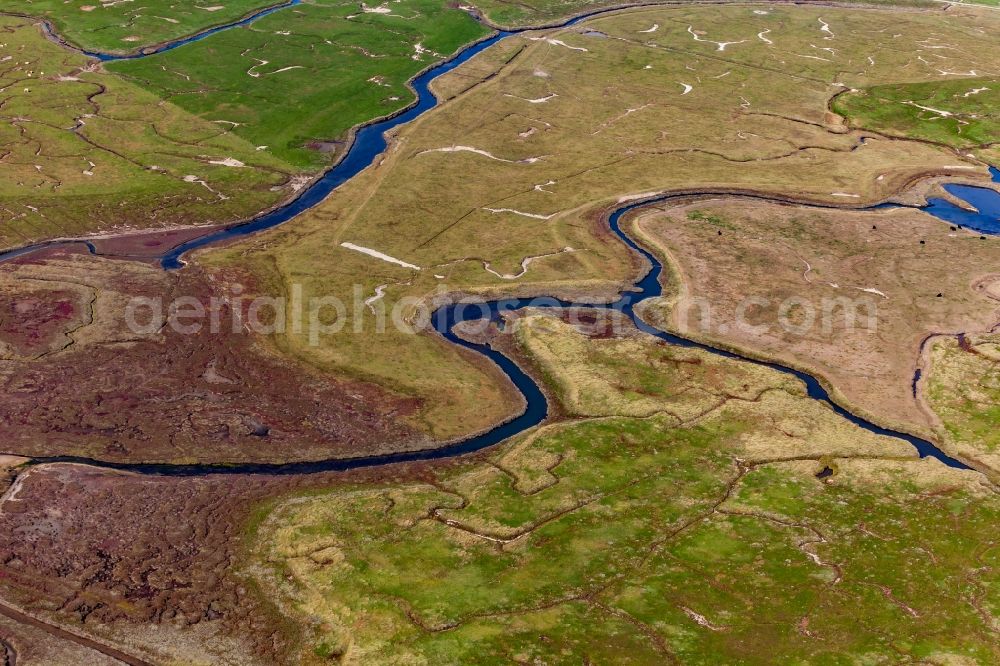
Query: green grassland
(963, 113)
(631, 377)
(544, 12)
(963, 389)
(85, 151)
(648, 541)
(523, 165)
(109, 26)
(538, 12)
(191, 137)
(307, 73)
(123, 26)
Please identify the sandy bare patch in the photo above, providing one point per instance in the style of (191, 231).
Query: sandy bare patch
(721, 45)
(477, 151)
(824, 27)
(228, 161)
(380, 255)
(512, 211)
(525, 263)
(378, 296)
(557, 42)
(537, 100)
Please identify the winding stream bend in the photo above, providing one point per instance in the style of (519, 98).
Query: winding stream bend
(171, 45)
(444, 320)
(369, 143)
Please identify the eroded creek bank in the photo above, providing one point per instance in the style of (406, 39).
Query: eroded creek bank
(370, 142)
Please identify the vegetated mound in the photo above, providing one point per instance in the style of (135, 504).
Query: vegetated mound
(543, 12)
(298, 80)
(213, 132)
(506, 187)
(963, 389)
(85, 152)
(117, 27)
(848, 295)
(645, 540)
(963, 112)
(589, 538)
(574, 537)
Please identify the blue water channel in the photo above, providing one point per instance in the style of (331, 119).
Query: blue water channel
(369, 143)
(985, 219)
(444, 321)
(177, 43)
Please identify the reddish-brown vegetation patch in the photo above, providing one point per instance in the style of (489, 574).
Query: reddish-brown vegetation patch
(166, 396)
(149, 245)
(151, 564)
(34, 321)
(87, 547)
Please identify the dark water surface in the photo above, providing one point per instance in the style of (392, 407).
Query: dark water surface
(986, 202)
(444, 320)
(369, 143)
